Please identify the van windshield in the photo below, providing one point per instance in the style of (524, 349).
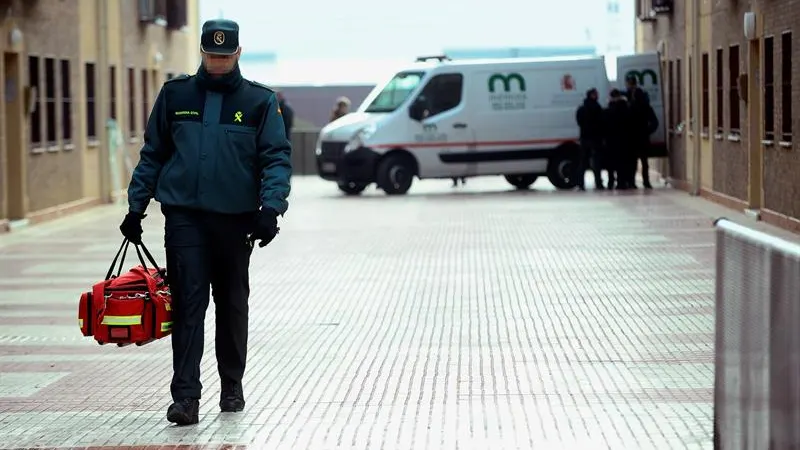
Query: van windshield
(395, 92)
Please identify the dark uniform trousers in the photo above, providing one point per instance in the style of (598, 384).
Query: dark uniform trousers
(207, 249)
(591, 158)
(641, 147)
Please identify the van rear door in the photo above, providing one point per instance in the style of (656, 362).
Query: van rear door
(646, 67)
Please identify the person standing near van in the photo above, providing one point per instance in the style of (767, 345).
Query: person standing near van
(342, 108)
(216, 157)
(287, 113)
(590, 121)
(644, 124)
(620, 156)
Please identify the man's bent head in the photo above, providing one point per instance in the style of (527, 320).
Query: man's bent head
(219, 46)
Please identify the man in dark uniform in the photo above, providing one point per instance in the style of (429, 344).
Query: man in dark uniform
(589, 117)
(617, 130)
(216, 157)
(288, 115)
(644, 124)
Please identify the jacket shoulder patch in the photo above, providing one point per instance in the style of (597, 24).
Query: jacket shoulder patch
(259, 85)
(182, 77)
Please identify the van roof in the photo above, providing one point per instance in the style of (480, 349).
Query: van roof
(502, 61)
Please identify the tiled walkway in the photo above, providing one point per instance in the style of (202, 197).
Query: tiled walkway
(473, 318)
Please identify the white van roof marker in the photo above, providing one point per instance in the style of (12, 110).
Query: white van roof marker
(439, 58)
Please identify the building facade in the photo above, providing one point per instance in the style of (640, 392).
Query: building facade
(79, 80)
(745, 156)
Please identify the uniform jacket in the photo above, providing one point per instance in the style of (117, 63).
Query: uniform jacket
(590, 119)
(617, 123)
(223, 152)
(644, 118)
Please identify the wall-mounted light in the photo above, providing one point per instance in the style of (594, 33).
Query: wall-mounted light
(158, 57)
(15, 36)
(750, 29)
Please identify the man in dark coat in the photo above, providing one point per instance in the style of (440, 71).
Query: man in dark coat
(620, 155)
(590, 121)
(644, 124)
(288, 115)
(216, 157)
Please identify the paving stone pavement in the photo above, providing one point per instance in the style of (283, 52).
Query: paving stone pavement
(451, 318)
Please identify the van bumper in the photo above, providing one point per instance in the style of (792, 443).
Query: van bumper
(357, 165)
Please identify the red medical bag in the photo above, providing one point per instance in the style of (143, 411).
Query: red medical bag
(130, 308)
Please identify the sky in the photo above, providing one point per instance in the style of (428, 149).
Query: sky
(310, 34)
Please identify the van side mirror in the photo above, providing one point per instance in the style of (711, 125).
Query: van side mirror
(417, 109)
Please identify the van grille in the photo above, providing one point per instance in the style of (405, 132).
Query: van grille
(332, 151)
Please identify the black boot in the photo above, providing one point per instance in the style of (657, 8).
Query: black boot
(231, 398)
(184, 412)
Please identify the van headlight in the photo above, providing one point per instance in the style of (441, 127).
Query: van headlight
(357, 141)
(318, 146)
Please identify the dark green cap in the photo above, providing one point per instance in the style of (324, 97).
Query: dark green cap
(220, 37)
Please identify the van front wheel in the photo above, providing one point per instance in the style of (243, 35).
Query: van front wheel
(521, 181)
(395, 174)
(562, 172)
(351, 187)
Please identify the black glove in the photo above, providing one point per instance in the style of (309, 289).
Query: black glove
(131, 227)
(266, 227)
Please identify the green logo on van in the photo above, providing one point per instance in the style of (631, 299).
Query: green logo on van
(506, 81)
(640, 76)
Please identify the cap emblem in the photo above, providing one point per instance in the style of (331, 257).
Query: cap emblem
(219, 37)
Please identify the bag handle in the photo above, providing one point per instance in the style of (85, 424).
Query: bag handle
(123, 250)
(149, 257)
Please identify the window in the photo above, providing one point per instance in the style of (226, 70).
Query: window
(671, 95)
(733, 89)
(112, 89)
(769, 88)
(160, 11)
(66, 101)
(679, 91)
(720, 90)
(146, 10)
(91, 107)
(642, 8)
(177, 14)
(131, 102)
(36, 115)
(443, 93)
(691, 94)
(395, 93)
(705, 116)
(145, 97)
(786, 87)
(50, 100)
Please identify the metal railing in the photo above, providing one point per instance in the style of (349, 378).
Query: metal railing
(757, 354)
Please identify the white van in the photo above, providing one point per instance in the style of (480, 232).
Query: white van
(442, 118)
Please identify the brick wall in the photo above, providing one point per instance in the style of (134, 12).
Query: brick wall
(139, 44)
(54, 171)
(782, 165)
(670, 29)
(730, 157)
(60, 167)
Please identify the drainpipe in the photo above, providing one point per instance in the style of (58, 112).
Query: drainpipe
(697, 91)
(103, 106)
